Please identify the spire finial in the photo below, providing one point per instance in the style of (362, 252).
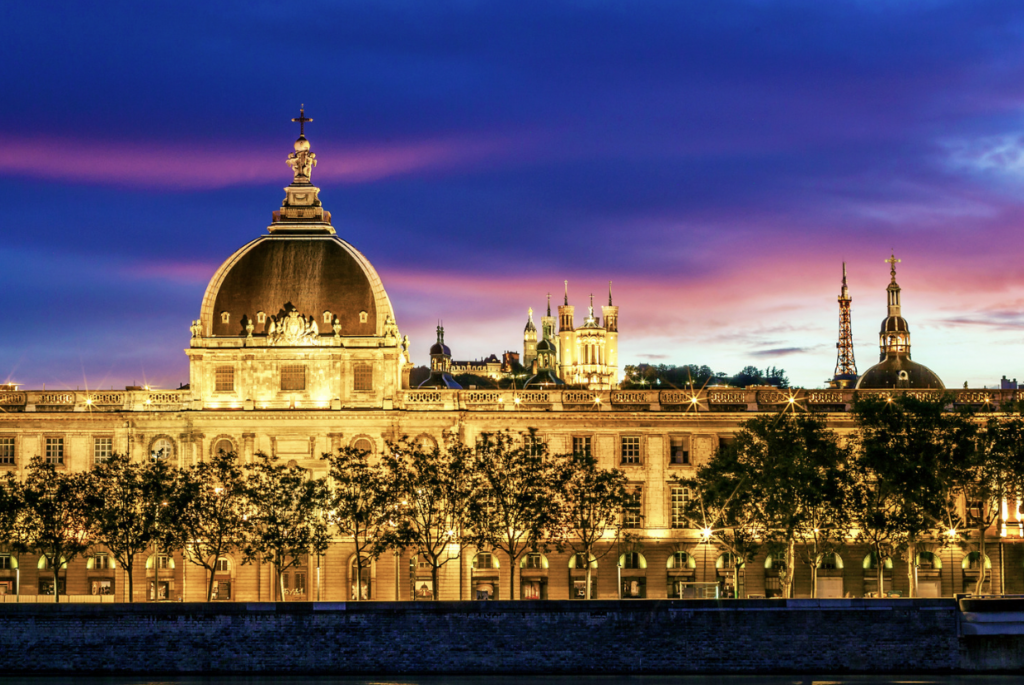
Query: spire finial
(609, 293)
(892, 261)
(844, 274)
(302, 119)
(529, 313)
(549, 304)
(591, 304)
(567, 293)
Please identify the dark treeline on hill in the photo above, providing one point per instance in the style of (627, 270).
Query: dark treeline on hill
(672, 376)
(636, 376)
(910, 479)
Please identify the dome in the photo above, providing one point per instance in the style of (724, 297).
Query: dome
(544, 378)
(301, 144)
(894, 324)
(546, 345)
(440, 381)
(899, 372)
(314, 274)
(440, 348)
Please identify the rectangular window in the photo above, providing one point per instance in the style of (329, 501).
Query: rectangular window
(6, 450)
(101, 561)
(679, 450)
(102, 448)
(534, 445)
(634, 501)
(581, 445)
(224, 380)
(293, 378)
(5, 562)
(483, 560)
(222, 590)
(362, 377)
(680, 496)
(222, 565)
(55, 450)
(163, 562)
(630, 449)
(534, 560)
(300, 582)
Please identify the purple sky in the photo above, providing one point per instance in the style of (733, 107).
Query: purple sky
(717, 161)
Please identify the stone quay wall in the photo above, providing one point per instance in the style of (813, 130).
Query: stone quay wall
(652, 636)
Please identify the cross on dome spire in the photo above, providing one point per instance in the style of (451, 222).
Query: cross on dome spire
(302, 119)
(892, 262)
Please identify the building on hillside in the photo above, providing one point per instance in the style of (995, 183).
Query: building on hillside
(296, 352)
(489, 367)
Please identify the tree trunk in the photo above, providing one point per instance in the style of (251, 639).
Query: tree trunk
(56, 583)
(586, 556)
(880, 568)
(979, 587)
(814, 579)
(790, 570)
(433, 579)
(280, 582)
(911, 564)
(359, 578)
(209, 585)
(131, 587)
(512, 578)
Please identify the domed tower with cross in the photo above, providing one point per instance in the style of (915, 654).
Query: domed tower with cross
(297, 317)
(895, 368)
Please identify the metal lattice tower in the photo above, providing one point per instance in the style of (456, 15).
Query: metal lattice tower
(845, 364)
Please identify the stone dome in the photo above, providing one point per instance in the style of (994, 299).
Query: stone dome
(313, 274)
(899, 372)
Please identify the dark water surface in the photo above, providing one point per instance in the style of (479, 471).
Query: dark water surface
(526, 679)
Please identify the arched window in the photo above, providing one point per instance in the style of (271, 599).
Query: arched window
(533, 560)
(162, 448)
(830, 561)
(576, 561)
(44, 564)
(772, 563)
(363, 444)
(486, 560)
(223, 445)
(632, 560)
(100, 561)
(363, 579)
(972, 562)
(728, 560)
(928, 560)
(681, 560)
(871, 562)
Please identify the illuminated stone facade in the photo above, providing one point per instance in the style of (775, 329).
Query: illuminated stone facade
(296, 352)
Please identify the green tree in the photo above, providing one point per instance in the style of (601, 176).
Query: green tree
(287, 515)
(590, 508)
(205, 516)
(516, 503)
(434, 490)
(129, 499)
(722, 510)
(790, 472)
(904, 469)
(57, 516)
(361, 501)
(989, 475)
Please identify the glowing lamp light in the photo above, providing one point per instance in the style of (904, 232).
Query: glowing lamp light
(597, 400)
(951, 533)
(88, 400)
(517, 400)
(791, 400)
(706, 533)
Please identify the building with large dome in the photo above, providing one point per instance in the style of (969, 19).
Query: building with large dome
(297, 352)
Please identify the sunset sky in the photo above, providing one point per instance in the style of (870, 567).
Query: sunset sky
(717, 160)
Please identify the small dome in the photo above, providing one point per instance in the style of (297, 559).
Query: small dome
(546, 345)
(899, 372)
(301, 145)
(894, 324)
(440, 381)
(440, 348)
(545, 377)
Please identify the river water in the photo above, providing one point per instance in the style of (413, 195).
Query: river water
(526, 679)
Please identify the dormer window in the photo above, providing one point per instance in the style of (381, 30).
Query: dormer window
(363, 317)
(225, 317)
(328, 317)
(261, 317)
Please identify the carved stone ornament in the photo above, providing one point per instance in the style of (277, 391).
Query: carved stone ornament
(196, 328)
(390, 331)
(302, 163)
(292, 329)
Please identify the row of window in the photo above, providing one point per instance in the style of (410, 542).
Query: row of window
(102, 449)
(293, 378)
(629, 449)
